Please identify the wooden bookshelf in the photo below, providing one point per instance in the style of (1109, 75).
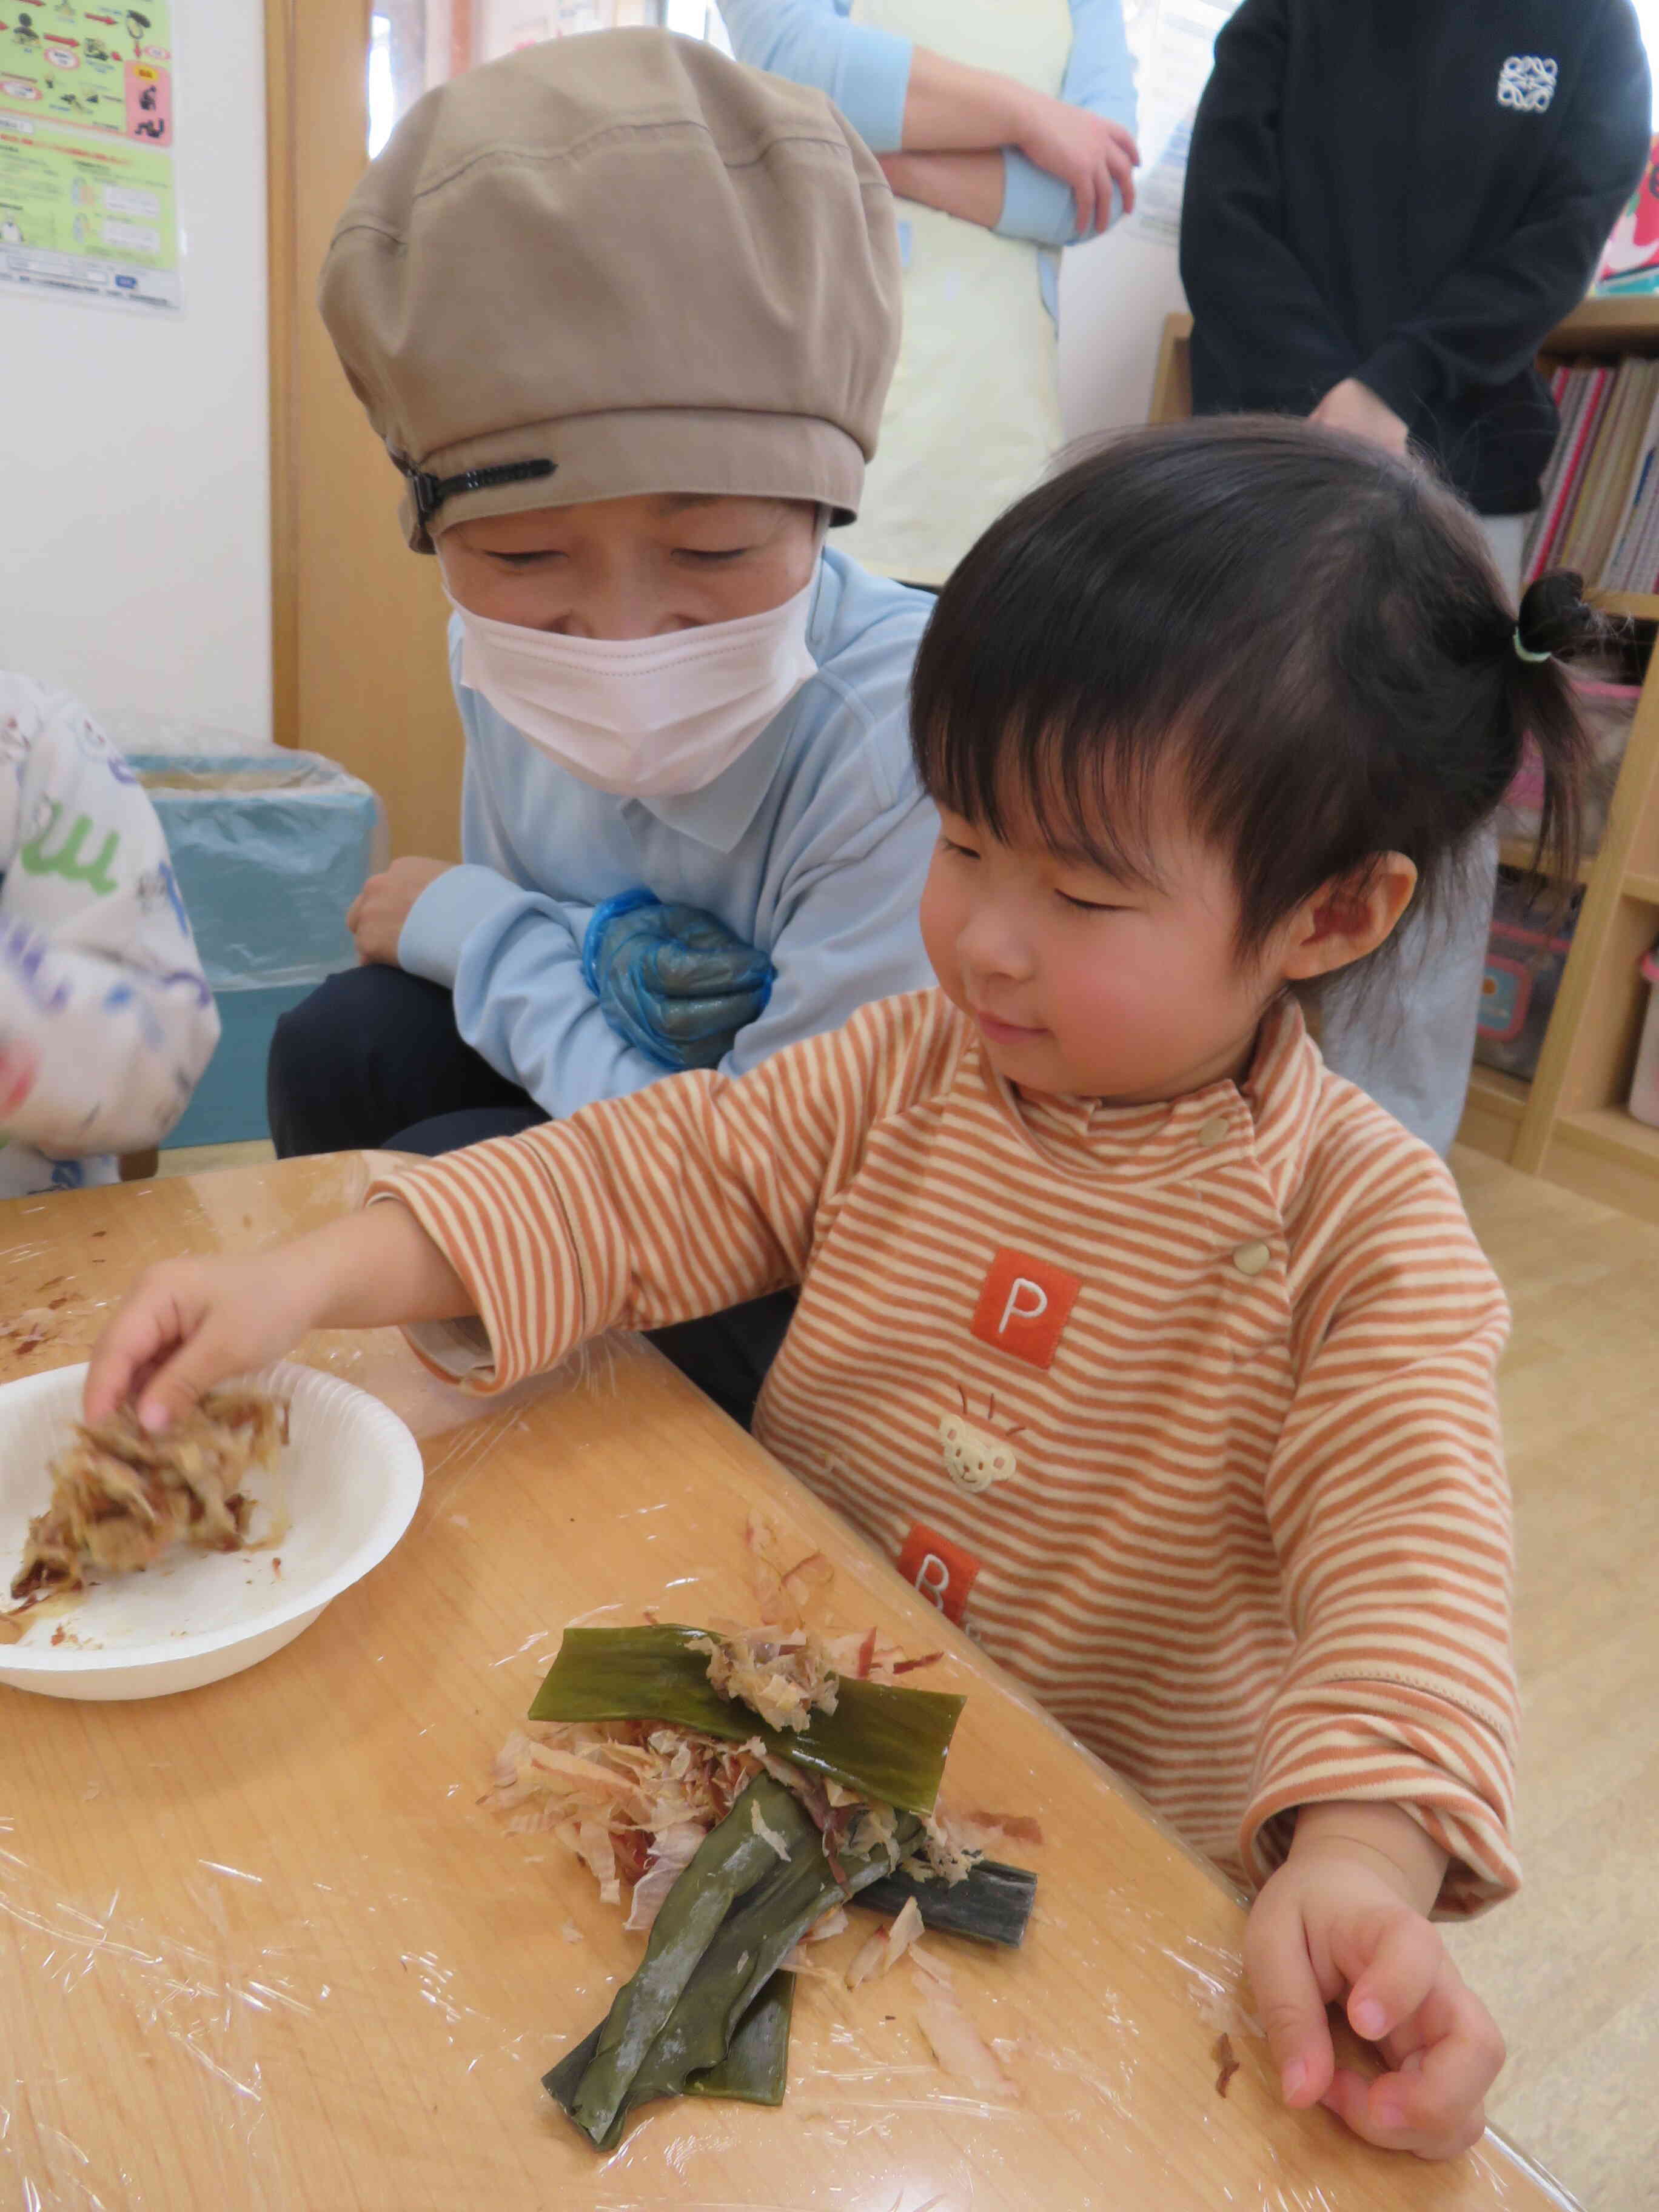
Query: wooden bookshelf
(1517, 852)
(1569, 1124)
(1644, 605)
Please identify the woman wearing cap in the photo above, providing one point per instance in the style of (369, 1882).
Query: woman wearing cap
(1005, 127)
(624, 313)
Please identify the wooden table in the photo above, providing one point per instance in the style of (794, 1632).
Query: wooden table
(263, 1948)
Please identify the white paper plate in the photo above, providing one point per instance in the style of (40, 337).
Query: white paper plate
(347, 1483)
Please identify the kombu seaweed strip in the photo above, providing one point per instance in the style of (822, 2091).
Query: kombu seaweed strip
(682, 2013)
(885, 1742)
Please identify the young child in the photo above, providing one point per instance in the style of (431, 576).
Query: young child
(105, 1023)
(1152, 1351)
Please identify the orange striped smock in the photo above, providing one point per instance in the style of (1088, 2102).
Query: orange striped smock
(1186, 1412)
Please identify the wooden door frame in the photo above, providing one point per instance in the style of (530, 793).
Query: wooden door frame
(283, 266)
(290, 301)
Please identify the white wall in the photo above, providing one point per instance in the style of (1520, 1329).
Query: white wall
(135, 561)
(1115, 293)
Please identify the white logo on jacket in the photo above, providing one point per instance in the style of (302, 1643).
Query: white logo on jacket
(1527, 81)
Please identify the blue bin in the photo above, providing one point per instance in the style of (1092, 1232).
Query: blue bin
(269, 850)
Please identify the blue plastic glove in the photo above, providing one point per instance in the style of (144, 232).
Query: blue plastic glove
(673, 980)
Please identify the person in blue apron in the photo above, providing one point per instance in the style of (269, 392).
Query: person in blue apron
(1004, 127)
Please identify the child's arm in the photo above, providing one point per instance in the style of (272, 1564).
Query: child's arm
(1346, 1918)
(696, 1194)
(188, 1324)
(1383, 1787)
(105, 1021)
(691, 1196)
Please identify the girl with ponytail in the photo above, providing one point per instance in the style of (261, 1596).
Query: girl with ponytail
(1147, 1347)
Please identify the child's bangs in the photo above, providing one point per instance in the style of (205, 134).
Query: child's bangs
(1062, 778)
(1219, 627)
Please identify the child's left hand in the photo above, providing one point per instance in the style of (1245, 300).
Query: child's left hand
(1345, 1918)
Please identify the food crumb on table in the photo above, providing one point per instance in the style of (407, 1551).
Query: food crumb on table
(1227, 2062)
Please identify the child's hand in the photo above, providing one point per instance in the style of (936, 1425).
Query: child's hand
(190, 1323)
(1344, 1917)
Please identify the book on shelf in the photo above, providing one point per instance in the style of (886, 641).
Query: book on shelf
(1634, 566)
(1613, 466)
(1643, 465)
(1578, 526)
(1567, 390)
(1598, 510)
(1581, 414)
(1644, 568)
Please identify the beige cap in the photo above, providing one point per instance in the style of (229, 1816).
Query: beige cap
(614, 264)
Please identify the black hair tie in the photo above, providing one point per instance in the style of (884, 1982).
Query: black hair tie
(1554, 617)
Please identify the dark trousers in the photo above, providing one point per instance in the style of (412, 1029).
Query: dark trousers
(373, 1059)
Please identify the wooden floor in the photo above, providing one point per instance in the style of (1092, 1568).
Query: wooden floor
(1571, 1967)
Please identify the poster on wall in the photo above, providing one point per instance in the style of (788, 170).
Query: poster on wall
(96, 65)
(1632, 263)
(1172, 42)
(86, 215)
(86, 151)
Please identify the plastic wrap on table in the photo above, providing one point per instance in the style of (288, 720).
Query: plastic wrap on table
(263, 1946)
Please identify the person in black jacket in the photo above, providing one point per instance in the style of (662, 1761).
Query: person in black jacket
(1389, 203)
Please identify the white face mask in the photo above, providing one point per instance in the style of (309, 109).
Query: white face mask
(644, 718)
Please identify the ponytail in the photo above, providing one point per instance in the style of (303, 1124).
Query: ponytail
(1555, 621)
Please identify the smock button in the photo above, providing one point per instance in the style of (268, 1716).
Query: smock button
(1213, 1131)
(1251, 1258)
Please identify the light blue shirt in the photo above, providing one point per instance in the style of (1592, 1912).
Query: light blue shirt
(811, 845)
(866, 72)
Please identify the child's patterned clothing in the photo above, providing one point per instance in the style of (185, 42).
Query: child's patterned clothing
(1186, 1411)
(105, 1021)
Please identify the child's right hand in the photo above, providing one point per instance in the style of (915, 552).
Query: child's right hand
(188, 1324)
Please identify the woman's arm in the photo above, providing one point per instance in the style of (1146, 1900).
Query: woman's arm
(864, 70)
(970, 186)
(1100, 80)
(905, 99)
(950, 108)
